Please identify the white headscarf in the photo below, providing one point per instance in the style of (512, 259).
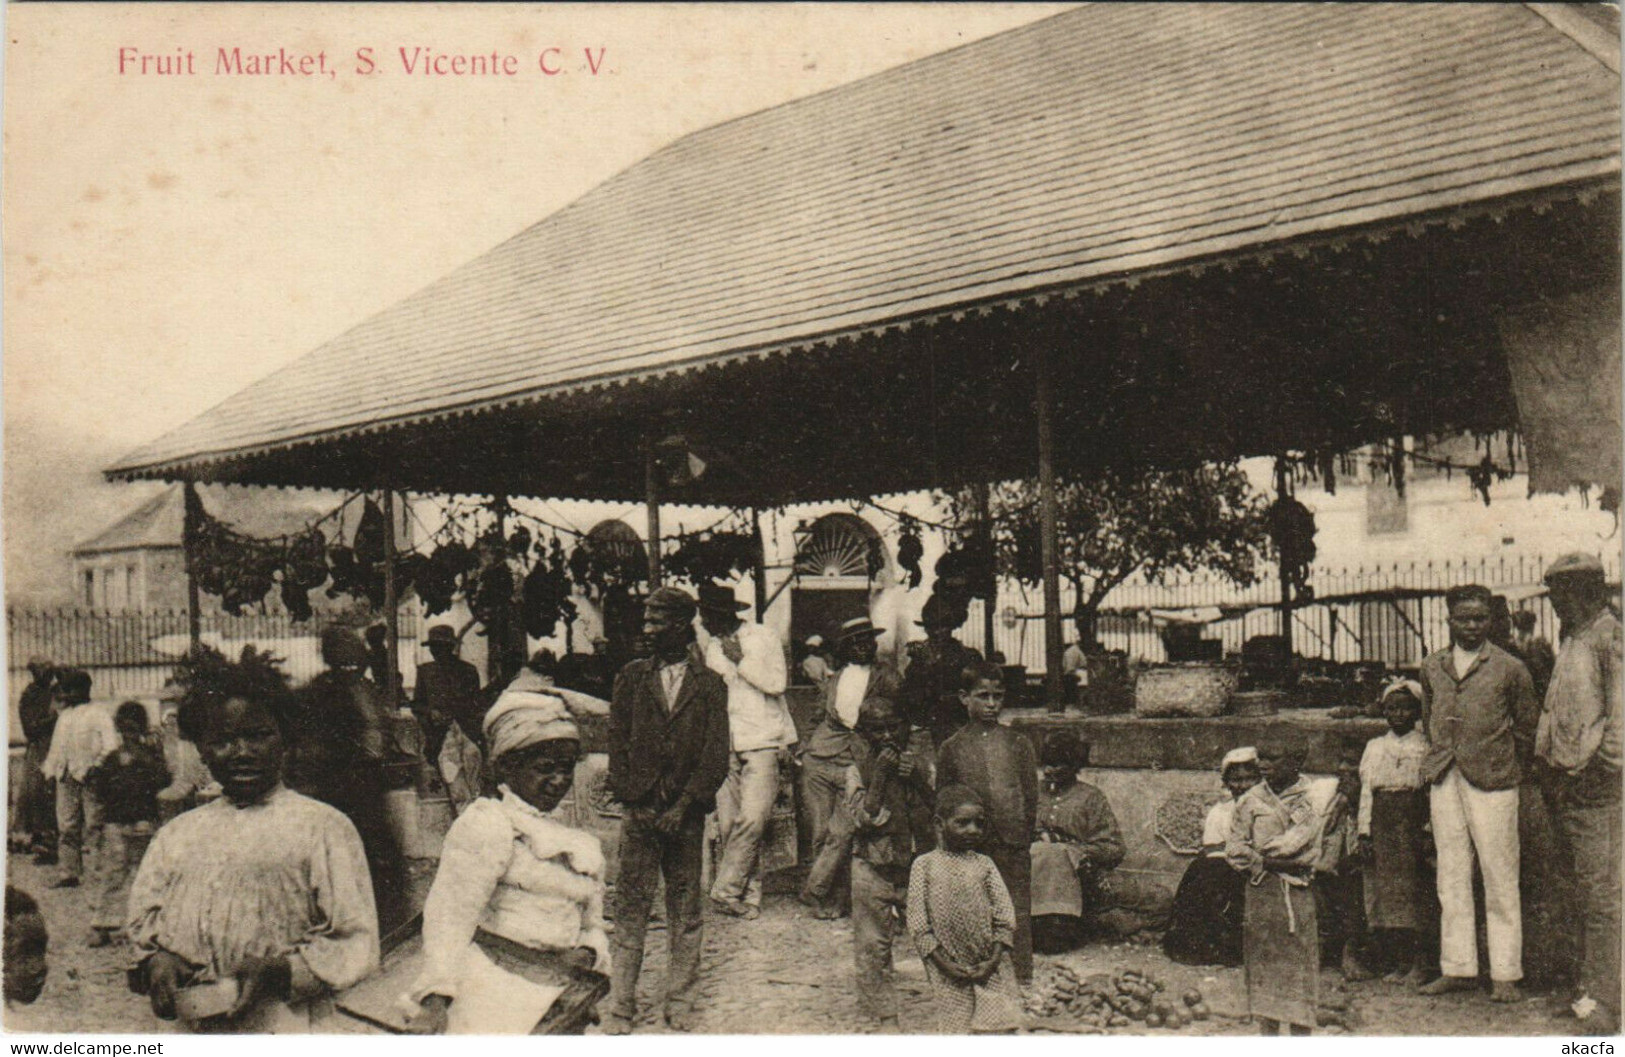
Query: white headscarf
(1245, 754)
(522, 718)
(1410, 685)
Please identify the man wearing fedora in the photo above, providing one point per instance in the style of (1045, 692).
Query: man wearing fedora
(1578, 761)
(447, 691)
(668, 754)
(829, 752)
(931, 682)
(751, 662)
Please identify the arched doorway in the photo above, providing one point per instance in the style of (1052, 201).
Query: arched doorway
(836, 565)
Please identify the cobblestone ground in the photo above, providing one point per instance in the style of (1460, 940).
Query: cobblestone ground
(783, 974)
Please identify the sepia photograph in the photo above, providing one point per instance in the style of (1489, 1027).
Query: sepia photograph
(1069, 519)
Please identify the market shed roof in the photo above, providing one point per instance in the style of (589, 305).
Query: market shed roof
(1107, 142)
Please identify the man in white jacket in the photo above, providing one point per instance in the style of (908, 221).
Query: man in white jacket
(751, 661)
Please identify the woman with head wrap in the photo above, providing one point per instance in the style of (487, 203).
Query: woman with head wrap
(1204, 926)
(513, 929)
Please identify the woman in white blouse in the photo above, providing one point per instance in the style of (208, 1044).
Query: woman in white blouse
(513, 929)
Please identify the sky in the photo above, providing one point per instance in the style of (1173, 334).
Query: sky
(169, 238)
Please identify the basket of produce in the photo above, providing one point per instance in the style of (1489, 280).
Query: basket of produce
(1194, 689)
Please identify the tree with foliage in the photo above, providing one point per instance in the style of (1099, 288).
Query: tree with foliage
(1122, 522)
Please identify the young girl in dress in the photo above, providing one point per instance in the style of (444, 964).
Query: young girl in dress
(1392, 821)
(963, 923)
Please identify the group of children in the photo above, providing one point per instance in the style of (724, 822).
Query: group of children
(950, 865)
(1324, 866)
(109, 771)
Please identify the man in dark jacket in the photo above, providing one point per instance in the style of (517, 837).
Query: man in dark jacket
(447, 692)
(37, 711)
(930, 693)
(668, 755)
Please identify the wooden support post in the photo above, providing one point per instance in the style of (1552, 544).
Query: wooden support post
(194, 604)
(392, 604)
(651, 499)
(759, 574)
(496, 633)
(990, 604)
(1050, 550)
(1286, 585)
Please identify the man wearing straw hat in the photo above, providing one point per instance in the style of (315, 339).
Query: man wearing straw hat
(829, 752)
(668, 754)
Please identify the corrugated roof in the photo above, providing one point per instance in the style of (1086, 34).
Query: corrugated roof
(1106, 140)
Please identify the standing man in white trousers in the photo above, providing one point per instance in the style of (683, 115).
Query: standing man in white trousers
(1479, 712)
(750, 659)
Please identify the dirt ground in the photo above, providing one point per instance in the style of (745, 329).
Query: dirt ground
(784, 974)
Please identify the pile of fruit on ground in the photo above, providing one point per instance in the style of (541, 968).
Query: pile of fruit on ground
(1124, 999)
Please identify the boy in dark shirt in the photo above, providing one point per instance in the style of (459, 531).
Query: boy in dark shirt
(127, 783)
(1000, 766)
(891, 813)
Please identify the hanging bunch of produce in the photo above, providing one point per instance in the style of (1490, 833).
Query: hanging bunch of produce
(968, 565)
(358, 570)
(242, 570)
(1292, 530)
(709, 557)
(965, 572)
(547, 589)
(437, 577)
(1321, 466)
(304, 570)
(910, 549)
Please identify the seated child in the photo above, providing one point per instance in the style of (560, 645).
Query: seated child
(1393, 820)
(891, 813)
(127, 782)
(1205, 923)
(264, 887)
(1076, 844)
(1275, 840)
(26, 941)
(999, 765)
(963, 925)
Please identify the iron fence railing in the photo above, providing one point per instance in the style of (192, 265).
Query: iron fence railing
(1397, 631)
(132, 653)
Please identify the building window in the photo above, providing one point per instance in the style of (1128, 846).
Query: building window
(129, 587)
(1386, 512)
(90, 587)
